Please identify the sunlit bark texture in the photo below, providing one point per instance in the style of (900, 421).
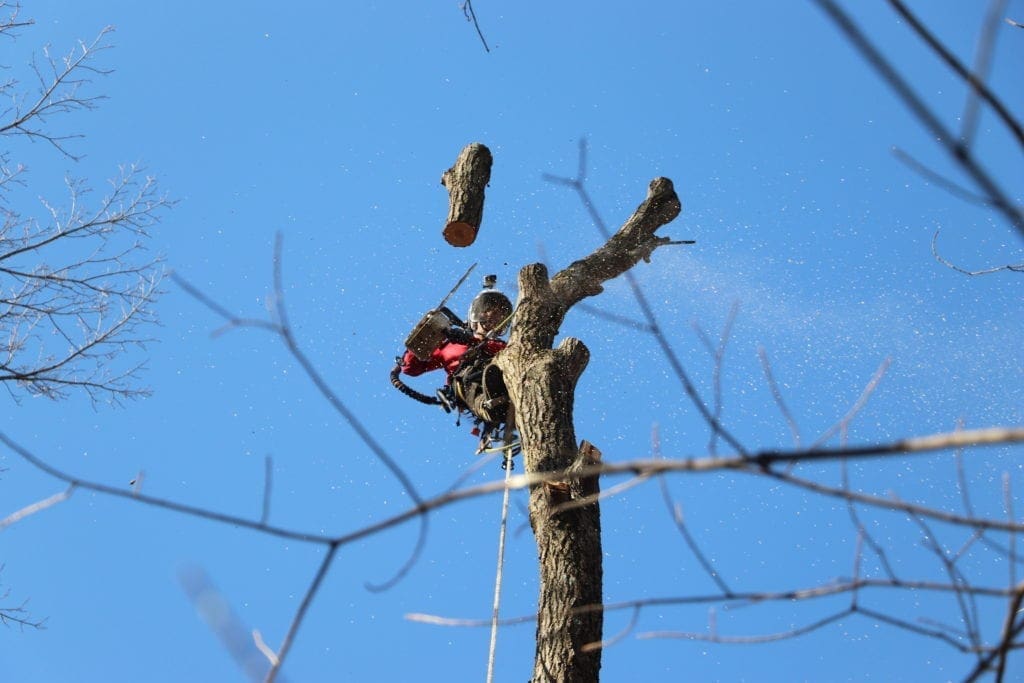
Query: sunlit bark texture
(565, 515)
(466, 181)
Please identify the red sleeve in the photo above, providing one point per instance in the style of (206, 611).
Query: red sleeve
(413, 366)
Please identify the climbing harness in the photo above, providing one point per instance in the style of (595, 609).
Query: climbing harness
(476, 386)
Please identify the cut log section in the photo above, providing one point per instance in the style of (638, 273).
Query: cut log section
(466, 181)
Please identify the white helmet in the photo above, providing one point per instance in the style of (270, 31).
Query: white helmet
(490, 311)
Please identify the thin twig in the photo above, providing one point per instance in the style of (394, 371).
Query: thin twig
(467, 9)
(265, 650)
(1012, 628)
(749, 640)
(965, 601)
(959, 153)
(1010, 631)
(1011, 517)
(618, 637)
(1016, 268)
(579, 185)
(975, 80)
(300, 614)
(863, 533)
(889, 503)
(676, 511)
(615, 318)
(282, 328)
(982, 65)
(718, 354)
(130, 494)
(773, 386)
(38, 506)
(821, 592)
(943, 182)
(268, 487)
(861, 401)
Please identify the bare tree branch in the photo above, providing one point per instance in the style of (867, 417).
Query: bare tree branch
(960, 153)
(842, 426)
(794, 428)
(280, 326)
(975, 80)
(57, 92)
(1013, 268)
(300, 615)
(940, 180)
(38, 506)
(76, 284)
(17, 614)
(578, 184)
(676, 510)
(467, 10)
(717, 352)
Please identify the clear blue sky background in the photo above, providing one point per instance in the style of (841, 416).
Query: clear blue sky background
(331, 123)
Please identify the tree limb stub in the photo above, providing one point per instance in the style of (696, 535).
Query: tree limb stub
(466, 181)
(635, 241)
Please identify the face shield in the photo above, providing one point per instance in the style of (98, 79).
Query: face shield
(489, 313)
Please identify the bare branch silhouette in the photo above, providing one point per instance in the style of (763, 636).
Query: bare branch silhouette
(17, 615)
(300, 615)
(67, 79)
(863, 535)
(959, 587)
(976, 79)
(794, 428)
(268, 487)
(280, 326)
(1013, 268)
(76, 286)
(717, 352)
(467, 10)
(676, 510)
(982, 66)
(58, 91)
(747, 598)
(842, 426)
(890, 503)
(38, 506)
(945, 183)
(216, 611)
(578, 184)
(960, 153)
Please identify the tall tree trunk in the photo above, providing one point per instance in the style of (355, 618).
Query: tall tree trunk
(564, 514)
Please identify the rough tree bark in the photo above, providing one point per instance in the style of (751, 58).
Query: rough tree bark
(542, 383)
(466, 181)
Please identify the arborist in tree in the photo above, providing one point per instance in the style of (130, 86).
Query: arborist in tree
(466, 351)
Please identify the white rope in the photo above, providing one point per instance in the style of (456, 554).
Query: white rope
(509, 427)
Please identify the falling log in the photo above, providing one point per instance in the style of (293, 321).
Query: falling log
(466, 181)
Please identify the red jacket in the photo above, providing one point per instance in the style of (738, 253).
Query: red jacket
(448, 356)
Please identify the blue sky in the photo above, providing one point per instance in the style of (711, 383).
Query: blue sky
(331, 124)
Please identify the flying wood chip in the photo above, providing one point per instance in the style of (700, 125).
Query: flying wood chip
(466, 181)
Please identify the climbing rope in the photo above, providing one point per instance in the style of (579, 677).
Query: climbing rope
(508, 448)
